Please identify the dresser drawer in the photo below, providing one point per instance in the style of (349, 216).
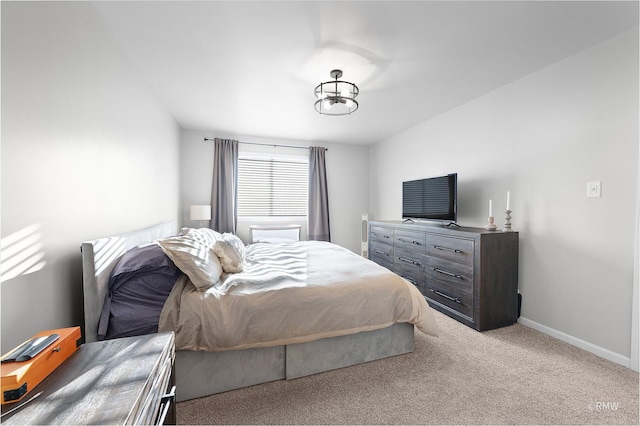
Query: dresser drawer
(381, 247)
(408, 259)
(414, 241)
(381, 233)
(451, 272)
(381, 258)
(458, 298)
(412, 273)
(457, 250)
(381, 243)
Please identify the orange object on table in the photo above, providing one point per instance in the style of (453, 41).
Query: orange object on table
(19, 377)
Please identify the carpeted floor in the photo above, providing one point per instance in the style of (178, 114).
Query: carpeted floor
(513, 375)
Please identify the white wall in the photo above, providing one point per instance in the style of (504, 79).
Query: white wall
(544, 137)
(87, 150)
(347, 180)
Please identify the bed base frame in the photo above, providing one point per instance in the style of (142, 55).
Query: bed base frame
(200, 373)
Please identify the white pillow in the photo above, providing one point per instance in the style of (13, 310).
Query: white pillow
(230, 251)
(193, 254)
(273, 240)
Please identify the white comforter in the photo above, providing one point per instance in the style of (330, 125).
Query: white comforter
(292, 293)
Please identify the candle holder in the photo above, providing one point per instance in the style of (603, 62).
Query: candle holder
(507, 221)
(490, 226)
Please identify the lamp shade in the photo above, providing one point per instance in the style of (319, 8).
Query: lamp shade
(200, 212)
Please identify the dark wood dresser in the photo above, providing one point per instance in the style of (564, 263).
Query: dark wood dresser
(120, 381)
(469, 274)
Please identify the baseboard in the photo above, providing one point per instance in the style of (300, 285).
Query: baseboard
(582, 344)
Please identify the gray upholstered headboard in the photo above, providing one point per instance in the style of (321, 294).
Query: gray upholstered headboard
(98, 259)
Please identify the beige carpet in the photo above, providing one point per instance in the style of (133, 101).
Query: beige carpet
(513, 375)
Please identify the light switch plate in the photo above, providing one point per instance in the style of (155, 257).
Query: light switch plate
(594, 189)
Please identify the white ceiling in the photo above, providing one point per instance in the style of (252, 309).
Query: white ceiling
(249, 68)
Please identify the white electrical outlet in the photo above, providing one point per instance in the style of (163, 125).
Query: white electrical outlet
(594, 189)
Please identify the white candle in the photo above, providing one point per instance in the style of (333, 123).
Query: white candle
(490, 207)
(508, 200)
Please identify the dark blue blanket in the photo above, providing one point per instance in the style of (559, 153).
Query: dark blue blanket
(138, 288)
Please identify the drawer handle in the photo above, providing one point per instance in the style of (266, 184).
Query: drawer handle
(380, 252)
(451, 274)
(165, 404)
(413, 262)
(414, 282)
(447, 249)
(380, 235)
(439, 293)
(407, 241)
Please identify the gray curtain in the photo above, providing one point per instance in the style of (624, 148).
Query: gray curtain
(224, 188)
(318, 215)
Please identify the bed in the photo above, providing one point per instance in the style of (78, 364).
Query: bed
(205, 366)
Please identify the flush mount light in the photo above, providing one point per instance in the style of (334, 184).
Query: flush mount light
(336, 97)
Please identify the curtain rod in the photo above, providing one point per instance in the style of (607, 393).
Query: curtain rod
(269, 144)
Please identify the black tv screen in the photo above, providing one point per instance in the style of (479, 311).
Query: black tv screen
(431, 198)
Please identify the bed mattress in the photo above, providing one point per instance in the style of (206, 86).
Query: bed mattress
(292, 293)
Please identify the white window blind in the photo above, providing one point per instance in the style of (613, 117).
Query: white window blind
(272, 187)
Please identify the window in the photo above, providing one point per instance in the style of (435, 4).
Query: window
(272, 187)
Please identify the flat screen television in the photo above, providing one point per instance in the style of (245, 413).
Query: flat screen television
(432, 198)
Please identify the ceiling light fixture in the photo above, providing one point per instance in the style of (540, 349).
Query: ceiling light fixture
(336, 97)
